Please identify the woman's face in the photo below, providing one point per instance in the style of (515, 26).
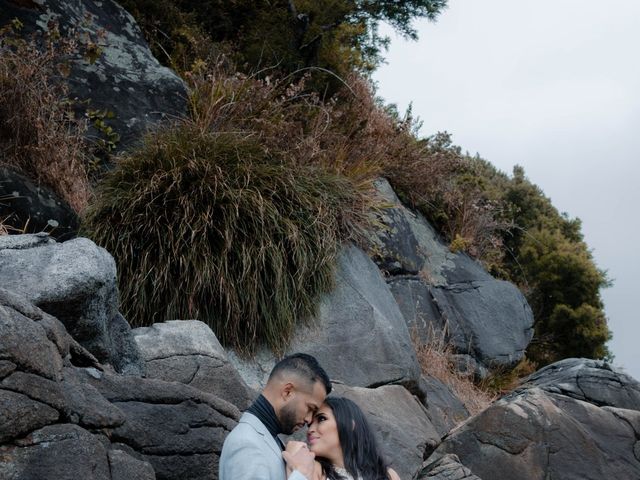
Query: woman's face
(322, 436)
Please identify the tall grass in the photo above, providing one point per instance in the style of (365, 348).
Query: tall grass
(39, 134)
(211, 225)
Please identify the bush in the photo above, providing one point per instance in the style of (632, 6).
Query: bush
(39, 134)
(214, 226)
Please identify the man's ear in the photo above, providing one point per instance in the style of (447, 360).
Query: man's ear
(287, 391)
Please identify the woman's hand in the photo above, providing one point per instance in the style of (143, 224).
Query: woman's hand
(298, 457)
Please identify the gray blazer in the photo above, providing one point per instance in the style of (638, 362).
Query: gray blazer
(251, 453)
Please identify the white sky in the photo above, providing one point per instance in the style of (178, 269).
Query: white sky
(554, 86)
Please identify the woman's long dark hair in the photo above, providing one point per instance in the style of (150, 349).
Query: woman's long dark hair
(360, 449)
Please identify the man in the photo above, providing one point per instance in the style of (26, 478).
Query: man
(296, 388)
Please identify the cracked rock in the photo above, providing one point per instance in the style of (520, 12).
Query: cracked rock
(187, 351)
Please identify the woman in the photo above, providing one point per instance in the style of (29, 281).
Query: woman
(344, 444)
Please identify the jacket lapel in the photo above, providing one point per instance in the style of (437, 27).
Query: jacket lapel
(262, 430)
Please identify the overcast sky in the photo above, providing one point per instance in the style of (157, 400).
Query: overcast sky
(554, 86)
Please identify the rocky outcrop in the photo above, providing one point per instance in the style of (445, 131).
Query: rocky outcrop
(546, 431)
(74, 281)
(593, 381)
(404, 430)
(187, 351)
(124, 78)
(63, 416)
(444, 408)
(31, 208)
(436, 289)
(359, 335)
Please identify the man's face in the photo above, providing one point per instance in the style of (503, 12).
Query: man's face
(302, 404)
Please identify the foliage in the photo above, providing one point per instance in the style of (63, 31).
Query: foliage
(39, 133)
(564, 292)
(332, 37)
(238, 205)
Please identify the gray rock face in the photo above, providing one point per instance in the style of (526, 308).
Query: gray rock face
(125, 79)
(448, 467)
(23, 202)
(435, 288)
(359, 335)
(444, 409)
(59, 420)
(592, 381)
(535, 433)
(65, 452)
(74, 281)
(187, 351)
(178, 429)
(404, 431)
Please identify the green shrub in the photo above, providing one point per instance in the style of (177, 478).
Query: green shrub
(212, 226)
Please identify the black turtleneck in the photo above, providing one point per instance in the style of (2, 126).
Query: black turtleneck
(262, 409)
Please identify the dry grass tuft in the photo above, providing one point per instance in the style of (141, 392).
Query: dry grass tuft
(39, 134)
(435, 360)
(245, 204)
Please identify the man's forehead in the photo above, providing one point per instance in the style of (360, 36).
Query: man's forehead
(319, 394)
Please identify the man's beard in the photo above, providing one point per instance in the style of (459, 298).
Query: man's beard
(288, 419)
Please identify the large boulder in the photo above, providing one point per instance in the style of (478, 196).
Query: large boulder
(436, 289)
(593, 381)
(400, 421)
(125, 79)
(187, 351)
(29, 207)
(74, 281)
(359, 335)
(538, 433)
(62, 415)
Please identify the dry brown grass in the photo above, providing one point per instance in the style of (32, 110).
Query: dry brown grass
(435, 360)
(39, 134)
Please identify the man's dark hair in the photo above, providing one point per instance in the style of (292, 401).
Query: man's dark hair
(304, 365)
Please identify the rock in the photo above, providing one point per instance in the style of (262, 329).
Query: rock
(20, 415)
(534, 434)
(24, 343)
(436, 289)
(490, 320)
(33, 208)
(359, 335)
(125, 356)
(469, 366)
(178, 429)
(187, 351)
(6, 367)
(69, 351)
(593, 381)
(125, 79)
(444, 408)
(401, 423)
(74, 281)
(416, 302)
(67, 452)
(125, 467)
(447, 467)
